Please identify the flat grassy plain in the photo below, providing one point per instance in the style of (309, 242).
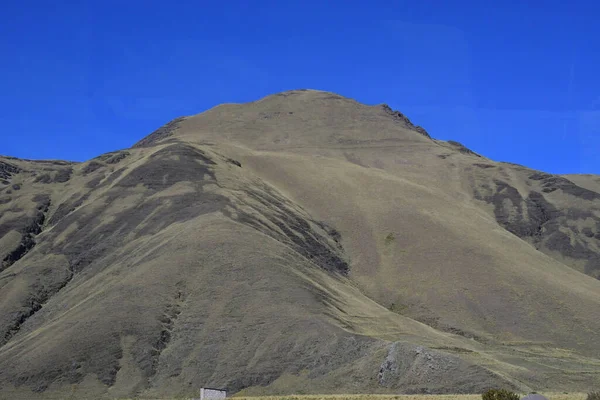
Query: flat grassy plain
(550, 396)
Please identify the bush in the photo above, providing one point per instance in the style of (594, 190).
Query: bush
(593, 396)
(389, 238)
(500, 394)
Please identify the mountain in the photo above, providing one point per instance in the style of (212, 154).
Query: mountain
(301, 243)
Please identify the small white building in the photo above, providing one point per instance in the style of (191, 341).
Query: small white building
(212, 394)
(534, 396)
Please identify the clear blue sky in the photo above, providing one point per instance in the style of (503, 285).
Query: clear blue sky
(516, 82)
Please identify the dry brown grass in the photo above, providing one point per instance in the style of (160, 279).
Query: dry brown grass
(550, 396)
(248, 306)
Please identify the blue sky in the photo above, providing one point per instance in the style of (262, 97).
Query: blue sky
(516, 82)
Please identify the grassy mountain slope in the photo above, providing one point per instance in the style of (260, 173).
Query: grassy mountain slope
(300, 243)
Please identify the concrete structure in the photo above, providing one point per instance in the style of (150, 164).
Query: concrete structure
(212, 394)
(534, 396)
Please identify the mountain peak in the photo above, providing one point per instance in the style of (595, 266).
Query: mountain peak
(299, 117)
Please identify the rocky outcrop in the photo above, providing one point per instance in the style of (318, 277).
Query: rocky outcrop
(32, 228)
(7, 170)
(538, 221)
(161, 133)
(397, 115)
(417, 369)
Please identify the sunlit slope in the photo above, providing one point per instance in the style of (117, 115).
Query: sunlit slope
(174, 267)
(432, 230)
(300, 243)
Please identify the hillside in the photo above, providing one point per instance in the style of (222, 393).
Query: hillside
(300, 243)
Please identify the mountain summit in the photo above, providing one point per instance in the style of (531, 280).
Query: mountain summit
(303, 242)
(292, 119)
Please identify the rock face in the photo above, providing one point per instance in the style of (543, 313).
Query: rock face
(303, 242)
(7, 170)
(404, 119)
(160, 134)
(461, 148)
(551, 229)
(419, 370)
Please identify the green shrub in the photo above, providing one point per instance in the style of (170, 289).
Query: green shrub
(500, 394)
(593, 396)
(389, 238)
